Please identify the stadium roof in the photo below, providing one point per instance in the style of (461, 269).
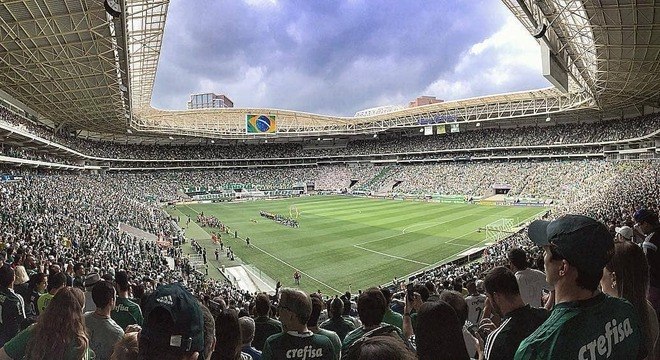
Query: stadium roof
(72, 62)
(65, 60)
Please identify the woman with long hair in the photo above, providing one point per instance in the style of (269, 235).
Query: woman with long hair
(228, 337)
(627, 276)
(438, 333)
(58, 334)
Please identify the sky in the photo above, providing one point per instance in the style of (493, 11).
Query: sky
(339, 57)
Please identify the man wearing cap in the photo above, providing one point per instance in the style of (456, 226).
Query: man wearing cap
(647, 223)
(624, 233)
(90, 281)
(297, 342)
(173, 325)
(584, 323)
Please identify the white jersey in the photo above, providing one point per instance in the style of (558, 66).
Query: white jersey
(475, 305)
(531, 283)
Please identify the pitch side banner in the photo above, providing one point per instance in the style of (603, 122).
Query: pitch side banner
(260, 124)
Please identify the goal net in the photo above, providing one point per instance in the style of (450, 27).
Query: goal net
(499, 230)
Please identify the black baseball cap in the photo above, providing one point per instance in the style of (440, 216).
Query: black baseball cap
(584, 242)
(645, 215)
(186, 315)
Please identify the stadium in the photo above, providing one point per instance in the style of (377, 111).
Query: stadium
(233, 202)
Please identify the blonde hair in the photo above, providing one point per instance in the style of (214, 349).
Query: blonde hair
(21, 275)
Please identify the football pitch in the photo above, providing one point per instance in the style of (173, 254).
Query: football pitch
(348, 241)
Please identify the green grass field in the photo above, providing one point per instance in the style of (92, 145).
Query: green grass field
(346, 241)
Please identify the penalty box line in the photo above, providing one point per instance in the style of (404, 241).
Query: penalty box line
(392, 256)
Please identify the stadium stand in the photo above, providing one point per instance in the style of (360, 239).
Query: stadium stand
(75, 210)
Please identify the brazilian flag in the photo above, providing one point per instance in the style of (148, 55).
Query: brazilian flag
(259, 124)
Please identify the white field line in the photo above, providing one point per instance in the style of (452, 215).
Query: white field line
(285, 263)
(403, 232)
(421, 228)
(293, 267)
(392, 256)
(435, 264)
(195, 211)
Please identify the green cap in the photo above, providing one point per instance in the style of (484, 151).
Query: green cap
(584, 242)
(186, 315)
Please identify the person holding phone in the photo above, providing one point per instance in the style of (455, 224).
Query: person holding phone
(519, 319)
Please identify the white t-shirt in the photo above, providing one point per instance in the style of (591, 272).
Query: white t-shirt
(475, 305)
(531, 283)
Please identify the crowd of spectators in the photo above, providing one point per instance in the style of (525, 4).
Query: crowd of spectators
(60, 234)
(438, 146)
(53, 221)
(28, 154)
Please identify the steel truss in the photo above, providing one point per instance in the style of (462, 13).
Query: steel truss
(230, 123)
(61, 58)
(611, 50)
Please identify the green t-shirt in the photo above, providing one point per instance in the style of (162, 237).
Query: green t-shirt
(264, 327)
(393, 318)
(334, 338)
(126, 313)
(298, 346)
(351, 337)
(17, 347)
(43, 301)
(602, 327)
(339, 325)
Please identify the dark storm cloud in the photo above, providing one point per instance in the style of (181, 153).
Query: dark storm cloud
(329, 57)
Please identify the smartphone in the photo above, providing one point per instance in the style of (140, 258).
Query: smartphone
(473, 329)
(409, 292)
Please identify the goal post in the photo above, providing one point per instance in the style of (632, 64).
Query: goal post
(499, 230)
(293, 212)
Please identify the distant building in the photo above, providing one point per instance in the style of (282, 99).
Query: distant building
(424, 100)
(209, 100)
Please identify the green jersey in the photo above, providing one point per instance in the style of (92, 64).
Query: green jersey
(334, 338)
(602, 327)
(292, 345)
(126, 313)
(339, 325)
(393, 318)
(17, 347)
(263, 328)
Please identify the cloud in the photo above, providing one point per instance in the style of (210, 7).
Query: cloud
(340, 57)
(508, 60)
